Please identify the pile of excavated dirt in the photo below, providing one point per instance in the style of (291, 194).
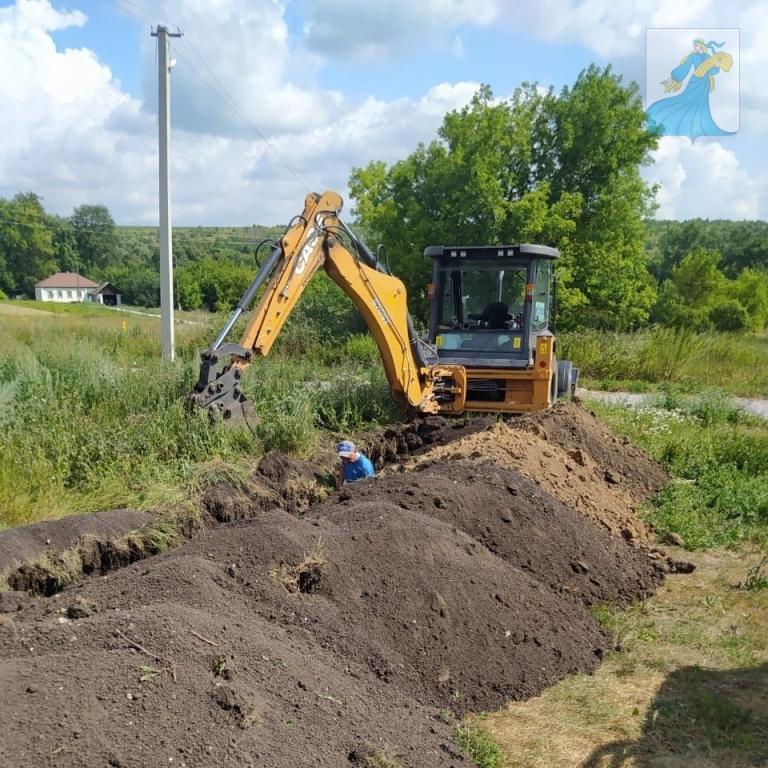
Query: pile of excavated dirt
(570, 475)
(418, 436)
(572, 427)
(517, 520)
(321, 639)
(323, 628)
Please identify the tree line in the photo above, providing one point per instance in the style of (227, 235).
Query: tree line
(561, 169)
(213, 265)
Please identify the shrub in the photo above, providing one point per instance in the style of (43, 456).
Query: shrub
(729, 315)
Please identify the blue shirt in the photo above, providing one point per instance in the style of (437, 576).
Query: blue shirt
(357, 470)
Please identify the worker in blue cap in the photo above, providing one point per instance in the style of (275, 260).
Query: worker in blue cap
(354, 464)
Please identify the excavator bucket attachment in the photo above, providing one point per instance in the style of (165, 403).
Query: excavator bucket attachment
(219, 391)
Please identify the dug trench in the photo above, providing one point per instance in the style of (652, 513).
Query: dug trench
(308, 631)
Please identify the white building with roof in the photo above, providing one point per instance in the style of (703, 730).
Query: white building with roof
(65, 286)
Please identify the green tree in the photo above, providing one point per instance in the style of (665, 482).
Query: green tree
(214, 284)
(188, 291)
(139, 286)
(750, 288)
(742, 244)
(26, 244)
(729, 315)
(694, 287)
(559, 169)
(65, 247)
(94, 231)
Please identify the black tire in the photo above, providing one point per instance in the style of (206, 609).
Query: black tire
(567, 375)
(554, 390)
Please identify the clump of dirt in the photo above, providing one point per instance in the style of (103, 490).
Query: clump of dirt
(570, 475)
(572, 427)
(279, 480)
(419, 435)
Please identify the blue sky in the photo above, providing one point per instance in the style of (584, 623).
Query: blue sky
(113, 35)
(499, 56)
(332, 85)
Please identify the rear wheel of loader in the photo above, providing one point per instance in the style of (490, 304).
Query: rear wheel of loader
(567, 374)
(554, 390)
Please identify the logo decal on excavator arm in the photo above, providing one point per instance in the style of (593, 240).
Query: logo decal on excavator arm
(306, 252)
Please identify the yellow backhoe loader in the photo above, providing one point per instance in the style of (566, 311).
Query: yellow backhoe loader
(489, 346)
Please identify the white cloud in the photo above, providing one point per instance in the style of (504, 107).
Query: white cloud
(341, 28)
(246, 50)
(55, 105)
(71, 133)
(705, 179)
(34, 14)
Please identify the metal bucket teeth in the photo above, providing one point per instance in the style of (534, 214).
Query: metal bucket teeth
(224, 399)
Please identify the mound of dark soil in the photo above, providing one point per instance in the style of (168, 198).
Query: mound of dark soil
(517, 520)
(19, 545)
(572, 427)
(418, 436)
(316, 640)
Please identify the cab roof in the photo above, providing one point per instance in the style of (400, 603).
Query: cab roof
(521, 251)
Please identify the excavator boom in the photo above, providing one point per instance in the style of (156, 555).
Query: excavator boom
(317, 238)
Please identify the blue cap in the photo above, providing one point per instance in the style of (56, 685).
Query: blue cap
(346, 448)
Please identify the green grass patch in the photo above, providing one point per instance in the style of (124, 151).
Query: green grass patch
(77, 308)
(478, 745)
(718, 457)
(92, 418)
(643, 360)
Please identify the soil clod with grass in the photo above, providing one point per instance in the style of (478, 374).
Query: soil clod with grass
(319, 631)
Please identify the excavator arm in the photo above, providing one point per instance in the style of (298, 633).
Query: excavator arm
(316, 239)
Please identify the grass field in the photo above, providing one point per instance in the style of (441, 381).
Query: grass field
(92, 418)
(667, 357)
(718, 457)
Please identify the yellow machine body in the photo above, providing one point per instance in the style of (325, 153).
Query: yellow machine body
(418, 379)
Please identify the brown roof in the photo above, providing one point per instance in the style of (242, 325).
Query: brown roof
(66, 280)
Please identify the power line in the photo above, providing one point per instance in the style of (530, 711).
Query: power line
(227, 98)
(123, 5)
(141, 9)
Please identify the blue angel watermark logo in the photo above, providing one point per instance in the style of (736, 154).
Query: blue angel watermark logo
(688, 111)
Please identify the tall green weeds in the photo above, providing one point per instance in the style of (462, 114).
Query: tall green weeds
(737, 363)
(718, 457)
(92, 418)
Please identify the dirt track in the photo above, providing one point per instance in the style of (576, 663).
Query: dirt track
(324, 633)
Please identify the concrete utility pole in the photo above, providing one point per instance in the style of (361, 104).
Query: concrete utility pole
(164, 67)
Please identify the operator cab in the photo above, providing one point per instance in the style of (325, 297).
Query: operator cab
(490, 303)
